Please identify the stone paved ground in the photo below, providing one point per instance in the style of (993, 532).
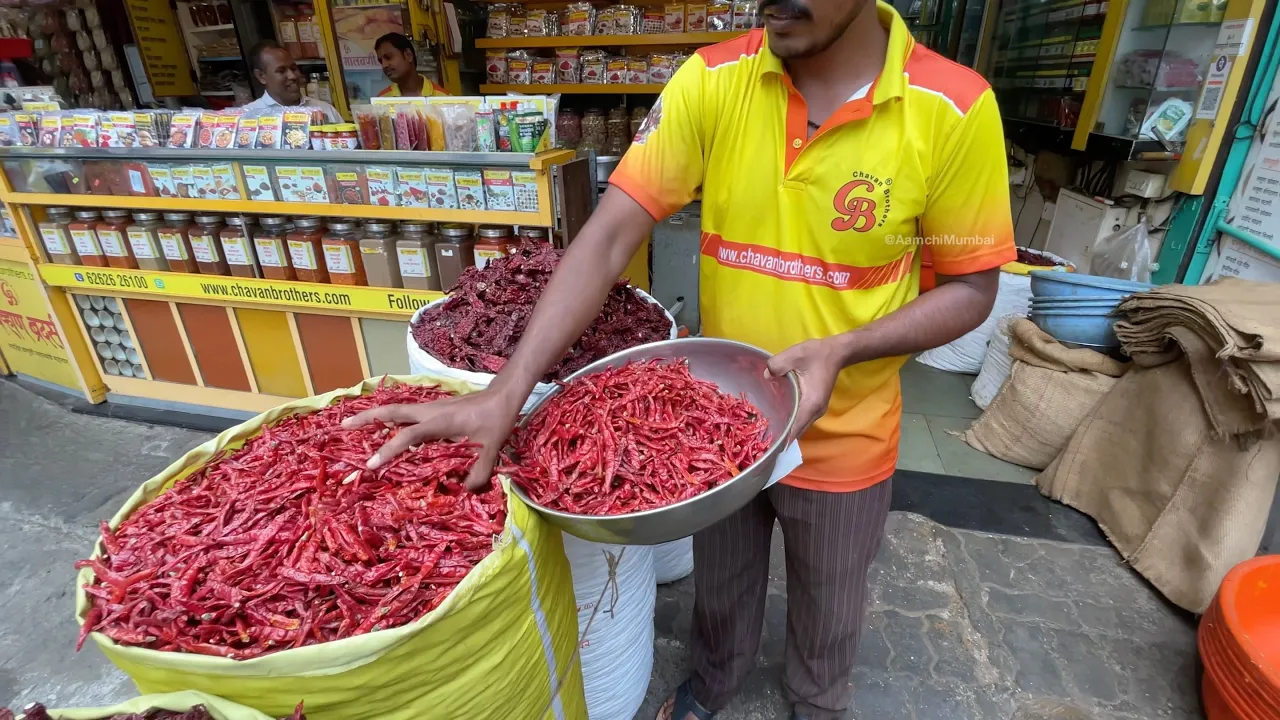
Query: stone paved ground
(963, 625)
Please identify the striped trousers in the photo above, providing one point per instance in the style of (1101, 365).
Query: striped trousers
(830, 540)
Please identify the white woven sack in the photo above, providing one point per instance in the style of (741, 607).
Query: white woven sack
(965, 353)
(996, 365)
(616, 593)
(673, 560)
(422, 362)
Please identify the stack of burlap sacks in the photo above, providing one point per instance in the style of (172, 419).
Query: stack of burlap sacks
(1175, 454)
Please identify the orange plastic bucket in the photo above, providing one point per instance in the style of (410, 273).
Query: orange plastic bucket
(1239, 643)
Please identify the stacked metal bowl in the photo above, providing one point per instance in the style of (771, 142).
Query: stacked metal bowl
(1079, 310)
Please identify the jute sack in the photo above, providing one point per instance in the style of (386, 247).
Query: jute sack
(219, 708)
(1181, 505)
(1049, 391)
(502, 645)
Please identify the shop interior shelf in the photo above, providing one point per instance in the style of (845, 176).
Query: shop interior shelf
(574, 89)
(213, 28)
(252, 207)
(689, 38)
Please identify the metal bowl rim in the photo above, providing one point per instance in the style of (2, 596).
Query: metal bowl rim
(775, 447)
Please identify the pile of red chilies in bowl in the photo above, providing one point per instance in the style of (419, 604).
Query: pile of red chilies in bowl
(36, 711)
(637, 437)
(289, 541)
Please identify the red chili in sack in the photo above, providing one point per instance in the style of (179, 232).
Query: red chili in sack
(290, 541)
(634, 438)
(36, 711)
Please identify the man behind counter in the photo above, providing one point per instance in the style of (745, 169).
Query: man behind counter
(400, 64)
(279, 74)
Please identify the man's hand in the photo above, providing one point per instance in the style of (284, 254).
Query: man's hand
(816, 364)
(485, 417)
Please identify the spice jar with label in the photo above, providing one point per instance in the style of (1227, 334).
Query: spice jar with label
(270, 243)
(84, 236)
(176, 243)
(594, 132)
(237, 246)
(206, 245)
(416, 255)
(55, 233)
(530, 234)
(493, 242)
(342, 253)
(308, 32)
(378, 253)
(305, 253)
(111, 237)
(144, 241)
(454, 253)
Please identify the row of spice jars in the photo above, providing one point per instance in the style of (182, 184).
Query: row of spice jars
(378, 253)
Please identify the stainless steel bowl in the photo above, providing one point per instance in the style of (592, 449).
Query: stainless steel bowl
(735, 368)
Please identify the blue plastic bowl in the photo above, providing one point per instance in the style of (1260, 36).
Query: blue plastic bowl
(1060, 285)
(1070, 303)
(1091, 326)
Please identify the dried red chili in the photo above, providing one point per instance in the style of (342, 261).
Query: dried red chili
(36, 711)
(290, 541)
(634, 438)
(478, 327)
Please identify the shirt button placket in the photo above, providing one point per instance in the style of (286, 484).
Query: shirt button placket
(797, 143)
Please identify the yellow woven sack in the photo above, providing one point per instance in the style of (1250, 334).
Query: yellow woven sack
(219, 708)
(502, 645)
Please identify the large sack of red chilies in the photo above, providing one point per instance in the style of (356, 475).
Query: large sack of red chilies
(499, 644)
(469, 333)
(214, 707)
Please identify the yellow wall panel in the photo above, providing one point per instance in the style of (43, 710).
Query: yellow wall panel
(269, 345)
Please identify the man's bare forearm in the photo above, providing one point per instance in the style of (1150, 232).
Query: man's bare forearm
(577, 290)
(935, 318)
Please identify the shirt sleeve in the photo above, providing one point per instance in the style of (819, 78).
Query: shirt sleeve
(967, 223)
(664, 167)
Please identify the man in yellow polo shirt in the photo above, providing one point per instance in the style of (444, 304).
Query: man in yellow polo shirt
(829, 148)
(399, 61)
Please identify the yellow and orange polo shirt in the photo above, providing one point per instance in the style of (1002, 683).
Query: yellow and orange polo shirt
(811, 236)
(428, 89)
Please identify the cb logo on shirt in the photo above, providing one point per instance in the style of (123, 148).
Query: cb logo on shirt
(856, 205)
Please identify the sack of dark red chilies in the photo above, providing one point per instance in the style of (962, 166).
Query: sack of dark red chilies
(267, 566)
(187, 705)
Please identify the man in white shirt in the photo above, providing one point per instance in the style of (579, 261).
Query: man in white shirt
(279, 74)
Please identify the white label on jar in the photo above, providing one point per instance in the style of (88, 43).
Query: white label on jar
(446, 252)
(55, 241)
(305, 30)
(86, 242)
(171, 244)
(288, 31)
(302, 255)
(112, 243)
(237, 253)
(484, 256)
(143, 246)
(338, 259)
(135, 182)
(203, 248)
(269, 252)
(413, 262)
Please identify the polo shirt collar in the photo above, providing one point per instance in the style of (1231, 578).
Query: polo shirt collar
(892, 82)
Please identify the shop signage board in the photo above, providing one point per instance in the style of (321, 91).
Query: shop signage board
(160, 43)
(28, 336)
(238, 291)
(358, 25)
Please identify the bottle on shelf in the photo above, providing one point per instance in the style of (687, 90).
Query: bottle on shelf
(144, 241)
(493, 242)
(84, 236)
(55, 233)
(271, 243)
(237, 246)
(378, 253)
(206, 245)
(416, 255)
(305, 251)
(175, 242)
(111, 236)
(342, 253)
(454, 253)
